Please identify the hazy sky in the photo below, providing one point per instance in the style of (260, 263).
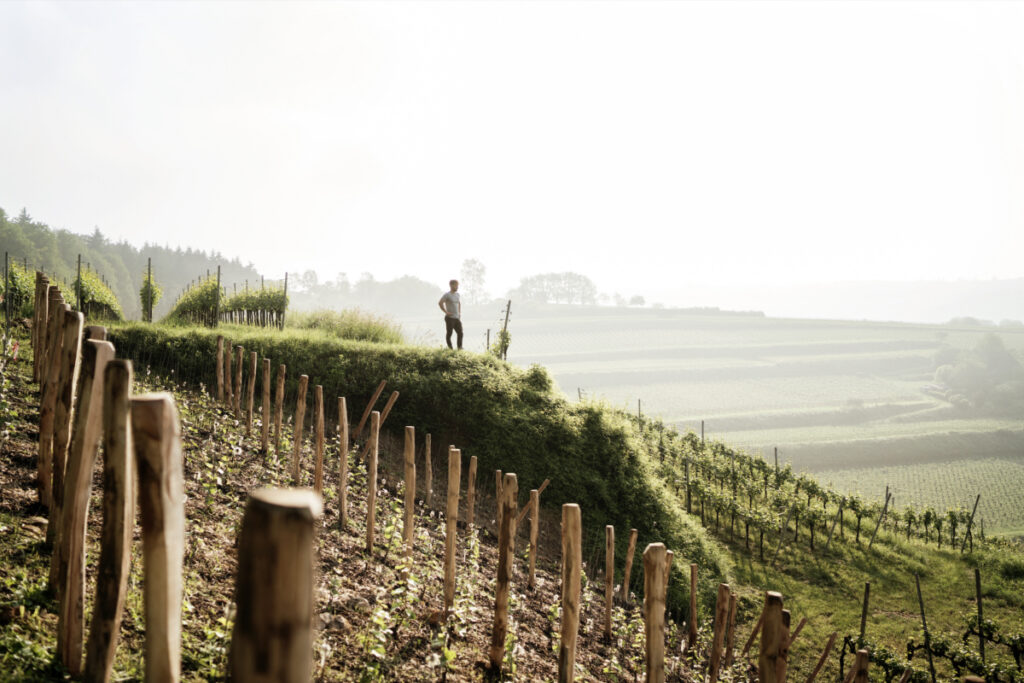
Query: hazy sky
(645, 145)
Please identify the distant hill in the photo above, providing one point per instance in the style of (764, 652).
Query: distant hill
(994, 301)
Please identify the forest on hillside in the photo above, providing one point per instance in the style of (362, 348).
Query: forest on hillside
(122, 265)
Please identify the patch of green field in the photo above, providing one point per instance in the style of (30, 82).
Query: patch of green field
(1000, 481)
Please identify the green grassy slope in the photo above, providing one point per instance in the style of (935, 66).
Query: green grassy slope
(511, 419)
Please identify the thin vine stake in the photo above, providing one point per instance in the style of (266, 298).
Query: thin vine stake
(300, 418)
(824, 657)
(924, 624)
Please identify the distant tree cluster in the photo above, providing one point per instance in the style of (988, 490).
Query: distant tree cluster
(555, 288)
(989, 376)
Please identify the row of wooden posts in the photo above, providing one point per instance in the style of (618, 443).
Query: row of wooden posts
(86, 397)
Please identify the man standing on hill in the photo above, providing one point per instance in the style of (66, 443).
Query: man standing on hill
(451, 306)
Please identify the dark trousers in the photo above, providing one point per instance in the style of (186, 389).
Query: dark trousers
(450, 324)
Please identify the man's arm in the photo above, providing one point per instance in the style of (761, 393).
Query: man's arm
(440, 304)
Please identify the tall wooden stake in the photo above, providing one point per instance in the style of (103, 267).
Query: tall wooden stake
(471, 493)
(409, 522)
(451, 525)
(118, 522)
(429, 467)
(692, 626)
(771, 661)
(63, 416)
(279, 407)
(265, 411)
(654, 611)
(342, 462)
(157, 437)
(70, 554)
(48, 406)
(318, 439)
(251, 398)
(506, 535)
(609, 578)
(371, 480)
(864, 609)
(229, 391)
(572, 568)
(220, 368)
(239, 363)
(300, 418)
(534, 529)
(720, 627)
(627, 568)
(272, 640)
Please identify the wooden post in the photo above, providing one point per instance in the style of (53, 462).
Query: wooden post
(371, 480)
(39, 318)
(155, 430)
(429, 467)
(369, 408)
(506, 536)
(609, 578)
(265, 411)
(654, 611)
(531, 582)
(300, 418)
(279, 407)
(451, 523)
(48, 406)
(118, 522)
(692, 629)
(49, 379)
(70, 355)
(220, 368)
(471, 493)
(731, 636)
(70, 554)
(860, 667)
(410, 490)
(864, 609)
(272, 640)
(229, 391)
(823, 658)
(239, 363)
(497, 497)
(771, 661)
(572, 568)
(719, 630)
(342, 462)
(782, 666)
(251, 402)
(628, 567)
(318, 439)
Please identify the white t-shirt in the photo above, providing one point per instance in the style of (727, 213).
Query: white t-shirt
(451, 303)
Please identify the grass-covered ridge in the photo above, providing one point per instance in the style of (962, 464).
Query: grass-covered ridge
(351, 323)
(511, 419)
